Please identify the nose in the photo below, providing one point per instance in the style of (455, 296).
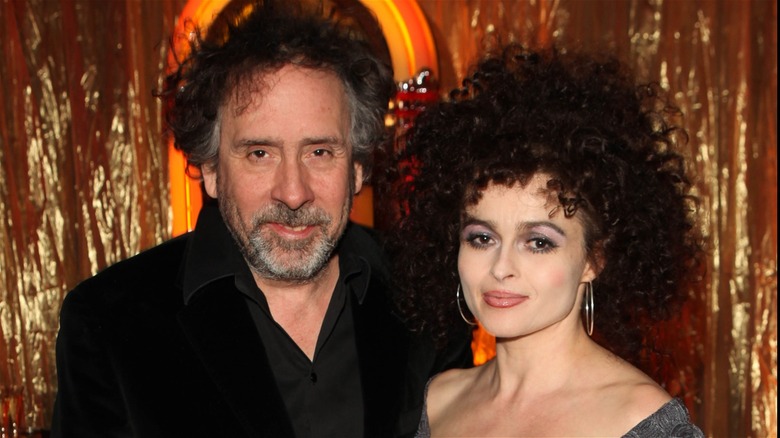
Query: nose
(504, 264)
(291, 184)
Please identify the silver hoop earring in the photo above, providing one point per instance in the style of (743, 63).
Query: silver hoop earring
(460, 310)
(588, 299)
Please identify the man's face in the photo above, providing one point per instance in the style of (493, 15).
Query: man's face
(285, 177)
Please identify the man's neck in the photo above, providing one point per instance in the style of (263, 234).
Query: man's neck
(299, 307)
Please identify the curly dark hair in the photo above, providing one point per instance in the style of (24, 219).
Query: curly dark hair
(609, 146)
(273, 34)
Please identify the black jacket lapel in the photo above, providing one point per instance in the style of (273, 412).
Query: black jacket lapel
(382, 344)
(219, 327)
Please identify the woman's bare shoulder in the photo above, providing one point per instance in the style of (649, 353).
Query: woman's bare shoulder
(631, 395)
(643, 399)
(452, 381)
(449, 387)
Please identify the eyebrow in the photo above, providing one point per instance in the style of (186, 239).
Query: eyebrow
(471, 220)
(268, 141)
(548, 224)
(247, 142)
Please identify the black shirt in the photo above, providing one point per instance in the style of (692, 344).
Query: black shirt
(323, 396)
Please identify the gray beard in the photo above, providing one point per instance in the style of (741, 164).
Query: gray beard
(275, 258)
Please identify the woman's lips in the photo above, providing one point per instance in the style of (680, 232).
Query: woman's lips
(503, 299)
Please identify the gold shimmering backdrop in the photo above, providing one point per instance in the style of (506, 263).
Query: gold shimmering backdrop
(84, 179)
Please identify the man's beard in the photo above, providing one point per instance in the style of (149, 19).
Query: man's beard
(275, 258)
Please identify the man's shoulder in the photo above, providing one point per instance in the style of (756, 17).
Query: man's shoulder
(363, 235)
(145, 273)
(366, 243)
(158, 262)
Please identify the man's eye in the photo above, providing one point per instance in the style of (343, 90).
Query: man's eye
(257, 153)
(321, 152)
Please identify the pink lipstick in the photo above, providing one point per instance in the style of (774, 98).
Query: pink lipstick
(503, 299)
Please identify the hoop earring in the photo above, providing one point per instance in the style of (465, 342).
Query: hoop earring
(588, 299)
(460, 310)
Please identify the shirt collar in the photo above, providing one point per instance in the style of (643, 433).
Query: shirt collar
(355, 273)
(213, 254)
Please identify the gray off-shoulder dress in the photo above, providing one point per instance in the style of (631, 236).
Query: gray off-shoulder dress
(670, 421)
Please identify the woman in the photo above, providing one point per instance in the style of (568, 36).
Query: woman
(550, 183)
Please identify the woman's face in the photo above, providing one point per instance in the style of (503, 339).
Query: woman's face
(522, 269)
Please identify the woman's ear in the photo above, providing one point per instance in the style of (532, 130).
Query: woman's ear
(595, 263)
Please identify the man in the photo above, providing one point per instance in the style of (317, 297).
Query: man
(273, 318)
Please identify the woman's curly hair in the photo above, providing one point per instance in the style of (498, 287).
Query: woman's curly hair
(610, 148)
(273, 34)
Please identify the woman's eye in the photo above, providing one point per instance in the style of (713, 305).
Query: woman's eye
(541, 244)
(479, 240)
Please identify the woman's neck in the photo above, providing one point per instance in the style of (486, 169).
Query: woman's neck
(540, 363)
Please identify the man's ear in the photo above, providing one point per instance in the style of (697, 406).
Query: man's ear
(358, 177)
(209, 173)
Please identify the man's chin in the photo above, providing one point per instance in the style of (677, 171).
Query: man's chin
(289, 274)
(289, 266)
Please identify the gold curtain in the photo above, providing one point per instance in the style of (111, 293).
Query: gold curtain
(83, 167)
(720, 60)
(83, 179)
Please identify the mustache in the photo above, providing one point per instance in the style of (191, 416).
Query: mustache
(282, 214)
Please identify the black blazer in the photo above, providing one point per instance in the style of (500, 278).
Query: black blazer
(134, 360)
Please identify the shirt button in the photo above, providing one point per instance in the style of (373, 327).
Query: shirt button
(313, 377)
